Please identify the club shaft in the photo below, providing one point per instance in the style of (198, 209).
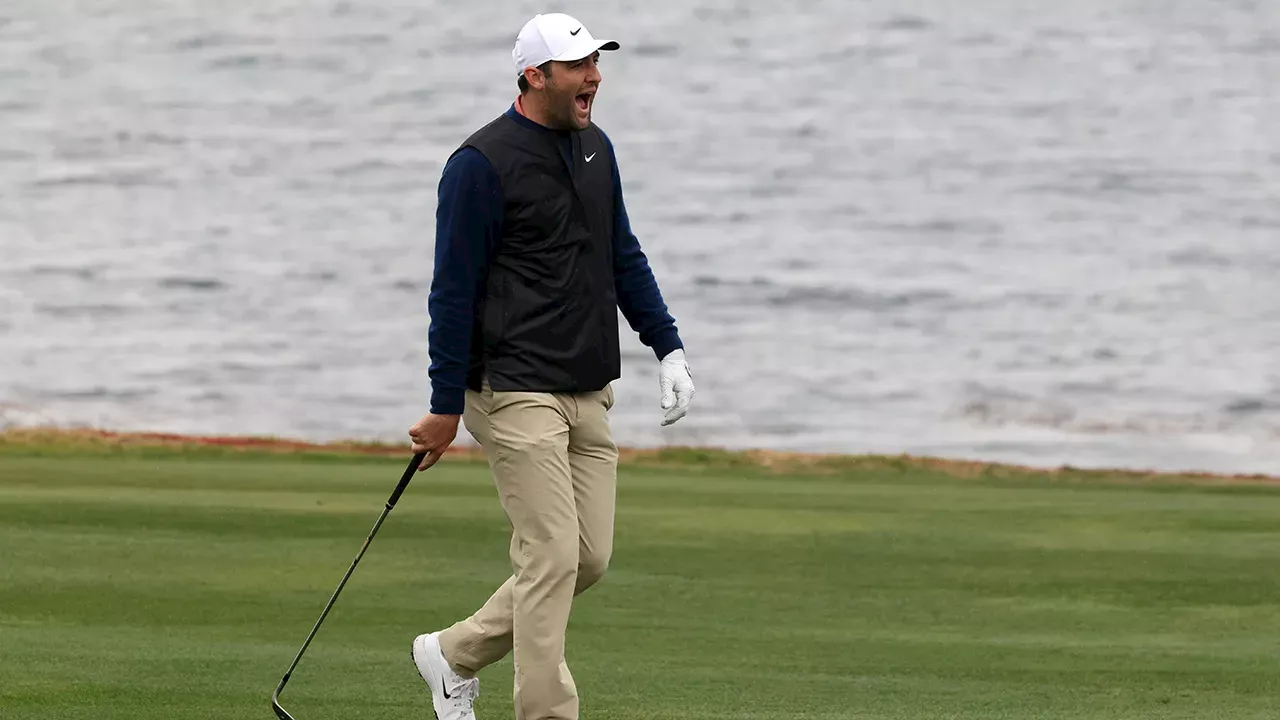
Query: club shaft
(386, 510)
(328, 606)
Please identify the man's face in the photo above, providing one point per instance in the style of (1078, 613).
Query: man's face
(570, 91)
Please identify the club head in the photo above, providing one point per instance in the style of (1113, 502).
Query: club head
(275, 702)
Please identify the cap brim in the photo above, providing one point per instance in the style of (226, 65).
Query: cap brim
(585, 48)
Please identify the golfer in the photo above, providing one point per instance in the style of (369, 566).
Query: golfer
(534, 256)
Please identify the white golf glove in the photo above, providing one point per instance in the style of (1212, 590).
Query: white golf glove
(676, 384)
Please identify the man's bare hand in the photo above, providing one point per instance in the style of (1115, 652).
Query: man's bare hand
(432, 435)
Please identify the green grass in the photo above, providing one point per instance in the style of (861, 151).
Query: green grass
(160, 584)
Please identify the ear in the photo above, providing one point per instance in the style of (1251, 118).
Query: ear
(535, 78)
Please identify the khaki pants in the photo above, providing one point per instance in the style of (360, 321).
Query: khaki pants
(555, 466)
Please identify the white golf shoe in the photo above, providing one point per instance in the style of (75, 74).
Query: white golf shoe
(452, 695)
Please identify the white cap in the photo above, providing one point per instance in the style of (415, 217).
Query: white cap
(554, 36)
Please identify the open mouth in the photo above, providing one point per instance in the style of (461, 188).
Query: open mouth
(583, 101)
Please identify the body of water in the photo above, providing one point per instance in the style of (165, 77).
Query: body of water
(1023, 231)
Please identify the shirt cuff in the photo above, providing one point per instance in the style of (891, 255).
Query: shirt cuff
(448, 402)
(665, 342)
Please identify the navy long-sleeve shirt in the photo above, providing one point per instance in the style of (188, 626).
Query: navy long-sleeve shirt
(468, 228)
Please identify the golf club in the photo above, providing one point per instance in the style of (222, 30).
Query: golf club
(391, 503)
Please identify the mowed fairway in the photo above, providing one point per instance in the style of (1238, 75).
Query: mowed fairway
(139, 586)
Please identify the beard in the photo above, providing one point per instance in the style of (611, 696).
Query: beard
(563, 109)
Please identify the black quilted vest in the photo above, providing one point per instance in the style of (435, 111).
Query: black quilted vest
(548, 318)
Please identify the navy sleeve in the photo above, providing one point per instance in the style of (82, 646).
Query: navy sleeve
(638, 295)
(468, 225)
